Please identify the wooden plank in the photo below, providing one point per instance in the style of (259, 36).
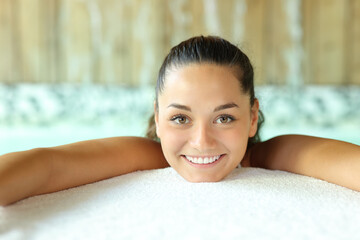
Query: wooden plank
(116, 43)
(93, 21)
(332, 45)
(230, 19)
(60, 69)
(29, 22)
(211, 17)
(253, 37)
(308, 7)
(183, 19)
(324, 36)
(352, 45)
(237, 22)
(16, 38)
(51, 34)
(125, 41)
(226, 19)
(6, 43)
(195, 19)
(217, 17)
(147, 45)
(140, 15)
(276, 41)
(77, 37)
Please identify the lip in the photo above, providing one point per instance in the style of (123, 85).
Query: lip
(207, 165)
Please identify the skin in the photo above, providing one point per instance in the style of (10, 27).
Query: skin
(45, 170)
(190, 122)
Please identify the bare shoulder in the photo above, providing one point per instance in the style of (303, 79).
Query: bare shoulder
(267, 154)
(285, 152)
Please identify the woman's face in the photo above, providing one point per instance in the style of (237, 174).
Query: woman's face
(204, 121)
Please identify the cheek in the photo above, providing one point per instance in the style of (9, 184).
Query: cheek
(235, 139)
(172, 140)
(172, 145)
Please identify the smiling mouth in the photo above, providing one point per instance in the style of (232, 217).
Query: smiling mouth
(203, 160)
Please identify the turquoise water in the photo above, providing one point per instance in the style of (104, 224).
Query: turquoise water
(45, 116)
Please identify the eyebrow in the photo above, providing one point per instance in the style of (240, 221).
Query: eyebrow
(218, 108)
(226, 106)
(179, 106)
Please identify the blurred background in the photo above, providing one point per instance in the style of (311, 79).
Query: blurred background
(73, 70)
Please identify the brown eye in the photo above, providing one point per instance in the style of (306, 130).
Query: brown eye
(224, 119)
(180, 119)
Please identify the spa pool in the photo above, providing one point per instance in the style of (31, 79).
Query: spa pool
(49, 115)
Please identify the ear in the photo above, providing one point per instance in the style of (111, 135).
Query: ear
(254, 117)
(156, 115)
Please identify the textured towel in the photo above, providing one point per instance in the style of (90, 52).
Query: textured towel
(250, 203)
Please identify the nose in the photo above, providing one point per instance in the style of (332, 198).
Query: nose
(202, 137)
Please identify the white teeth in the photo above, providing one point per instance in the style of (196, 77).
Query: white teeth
(200, 160)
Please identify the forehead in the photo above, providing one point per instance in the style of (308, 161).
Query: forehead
(201, 76)
(202, 82)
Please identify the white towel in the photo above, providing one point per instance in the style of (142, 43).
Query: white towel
(250, 203)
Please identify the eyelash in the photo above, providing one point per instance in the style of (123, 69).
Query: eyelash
(229, 117)
(177, 117)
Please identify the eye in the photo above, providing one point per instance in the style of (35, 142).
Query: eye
(180, 119)
(224, 119)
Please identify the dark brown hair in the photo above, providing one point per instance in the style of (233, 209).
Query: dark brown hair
(209, 49)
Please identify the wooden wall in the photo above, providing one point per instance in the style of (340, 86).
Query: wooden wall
(125, 41)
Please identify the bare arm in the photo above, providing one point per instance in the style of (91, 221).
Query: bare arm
(45, 170)
(330, 160)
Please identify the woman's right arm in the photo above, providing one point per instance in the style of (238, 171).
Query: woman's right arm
(46, 170)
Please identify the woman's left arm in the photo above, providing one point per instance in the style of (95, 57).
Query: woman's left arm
(330, 160)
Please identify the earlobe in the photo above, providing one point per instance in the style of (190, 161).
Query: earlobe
(254, 118)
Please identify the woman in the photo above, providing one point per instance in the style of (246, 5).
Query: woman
(205, 124)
